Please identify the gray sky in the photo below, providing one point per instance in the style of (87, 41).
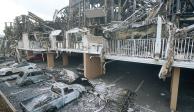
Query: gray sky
(42, 8)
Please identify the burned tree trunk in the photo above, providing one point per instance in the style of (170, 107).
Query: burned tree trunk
(166, 68)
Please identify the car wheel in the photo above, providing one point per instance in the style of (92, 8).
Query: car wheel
(8, 73)
(52, 109)
(29, 82)
(23, 110)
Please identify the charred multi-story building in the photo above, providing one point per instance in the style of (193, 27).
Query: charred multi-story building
(158, 32)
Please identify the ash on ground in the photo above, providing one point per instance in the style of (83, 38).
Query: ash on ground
(105, 98)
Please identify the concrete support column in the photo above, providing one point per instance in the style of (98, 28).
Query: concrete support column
(50, 60)
(120, 8)
(174, 88)
(29, 54)
(65, 59)
(92, 66)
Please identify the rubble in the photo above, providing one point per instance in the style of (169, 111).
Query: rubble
(59, 95)
(100, 97)
(105, 98)
(80, 69)
(66, 76)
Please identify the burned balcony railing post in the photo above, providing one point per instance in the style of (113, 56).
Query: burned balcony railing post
(142, 48)
(158, 38)
(183, 49)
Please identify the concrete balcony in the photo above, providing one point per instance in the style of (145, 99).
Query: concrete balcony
(32, 46)
(143, 51)
(35, 45)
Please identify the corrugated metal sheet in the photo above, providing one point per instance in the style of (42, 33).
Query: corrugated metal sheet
(93, 13)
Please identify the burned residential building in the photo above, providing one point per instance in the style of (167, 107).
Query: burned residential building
(158, 32)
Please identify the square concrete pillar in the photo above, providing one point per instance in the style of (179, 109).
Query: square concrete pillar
(50, 60)
(29, 54)
(174, 88)
(65, 59)
(92, 66)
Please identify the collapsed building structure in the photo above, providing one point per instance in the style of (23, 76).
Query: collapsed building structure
(156, 32)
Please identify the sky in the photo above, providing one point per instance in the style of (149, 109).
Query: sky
(45, 9)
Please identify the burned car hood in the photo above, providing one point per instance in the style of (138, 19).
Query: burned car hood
(4, 69)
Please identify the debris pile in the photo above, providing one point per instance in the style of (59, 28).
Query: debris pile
(66, 76)
(105, 98)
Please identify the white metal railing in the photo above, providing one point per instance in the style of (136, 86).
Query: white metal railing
(184, 49)
(164, 42)
(35, 45)
(71, 45)
(142, 48)
(145, 48)
(45, 44)
(132, 47)
(76, 45)
(20, 44)
(60, 44)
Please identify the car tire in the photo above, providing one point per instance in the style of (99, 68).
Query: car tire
(52, 109)
(23, 110)
(29, 82)
(8, 73)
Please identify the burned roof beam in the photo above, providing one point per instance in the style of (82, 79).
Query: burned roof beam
(38, 19)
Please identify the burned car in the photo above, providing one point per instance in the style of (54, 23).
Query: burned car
(30, 77)
(6, 64)
(59, 95)
(16, 68)
(37, 58)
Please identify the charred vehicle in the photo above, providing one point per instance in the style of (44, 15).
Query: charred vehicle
(26, 78)
(59, 95)
(37, 58)
(6, 64)
(6, 61)
(16, 68)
